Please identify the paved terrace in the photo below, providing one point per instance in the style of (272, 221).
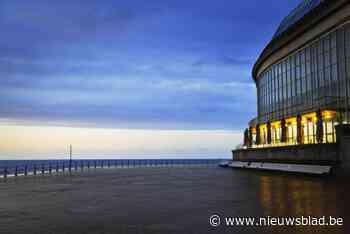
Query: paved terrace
(164, 200)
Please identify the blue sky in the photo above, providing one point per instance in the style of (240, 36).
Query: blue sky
(133, 64)
(132, 77)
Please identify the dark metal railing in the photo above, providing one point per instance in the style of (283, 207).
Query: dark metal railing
(50, 167)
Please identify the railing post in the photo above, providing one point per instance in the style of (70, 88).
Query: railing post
(81, 165)
(42, 169)
(57, 167)
(5, 172)
(34, 169)
(76, 165)
(95, 164)
(50, 168)
(63, 167)
(16, 171)
(25, 170)
(88, 165)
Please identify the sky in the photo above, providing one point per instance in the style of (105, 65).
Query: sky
(130, 77)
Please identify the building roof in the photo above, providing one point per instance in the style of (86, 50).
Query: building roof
(297, 14)
(304, 17)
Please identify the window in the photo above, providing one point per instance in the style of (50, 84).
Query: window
(304, 77)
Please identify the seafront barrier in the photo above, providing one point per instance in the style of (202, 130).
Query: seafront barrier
(32, 167)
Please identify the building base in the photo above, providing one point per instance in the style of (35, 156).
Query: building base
(313, 158)
(284, 167)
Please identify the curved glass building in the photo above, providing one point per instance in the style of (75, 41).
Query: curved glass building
(303, 77)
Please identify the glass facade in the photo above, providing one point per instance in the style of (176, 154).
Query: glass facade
(304, 81)
(314, 79)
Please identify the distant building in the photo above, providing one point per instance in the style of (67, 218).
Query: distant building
(303, 81)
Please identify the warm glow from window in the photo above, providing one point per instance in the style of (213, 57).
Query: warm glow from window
(328, 114)
(291, 120)
(276, 124)
(263, 127)
(308, 130)
(309, 118)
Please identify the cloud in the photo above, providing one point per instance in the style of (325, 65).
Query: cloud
(225, 61)
(164, 64)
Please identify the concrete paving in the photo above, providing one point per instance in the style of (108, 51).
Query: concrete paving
(165, 200)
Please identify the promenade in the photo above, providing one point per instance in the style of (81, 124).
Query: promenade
(164, 200)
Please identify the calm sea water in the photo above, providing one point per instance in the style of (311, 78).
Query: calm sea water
(11, 166)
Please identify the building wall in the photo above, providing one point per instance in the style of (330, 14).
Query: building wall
(336, 154)
(319, 24)
(315, 77)
(316, 154)
(343, 139)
